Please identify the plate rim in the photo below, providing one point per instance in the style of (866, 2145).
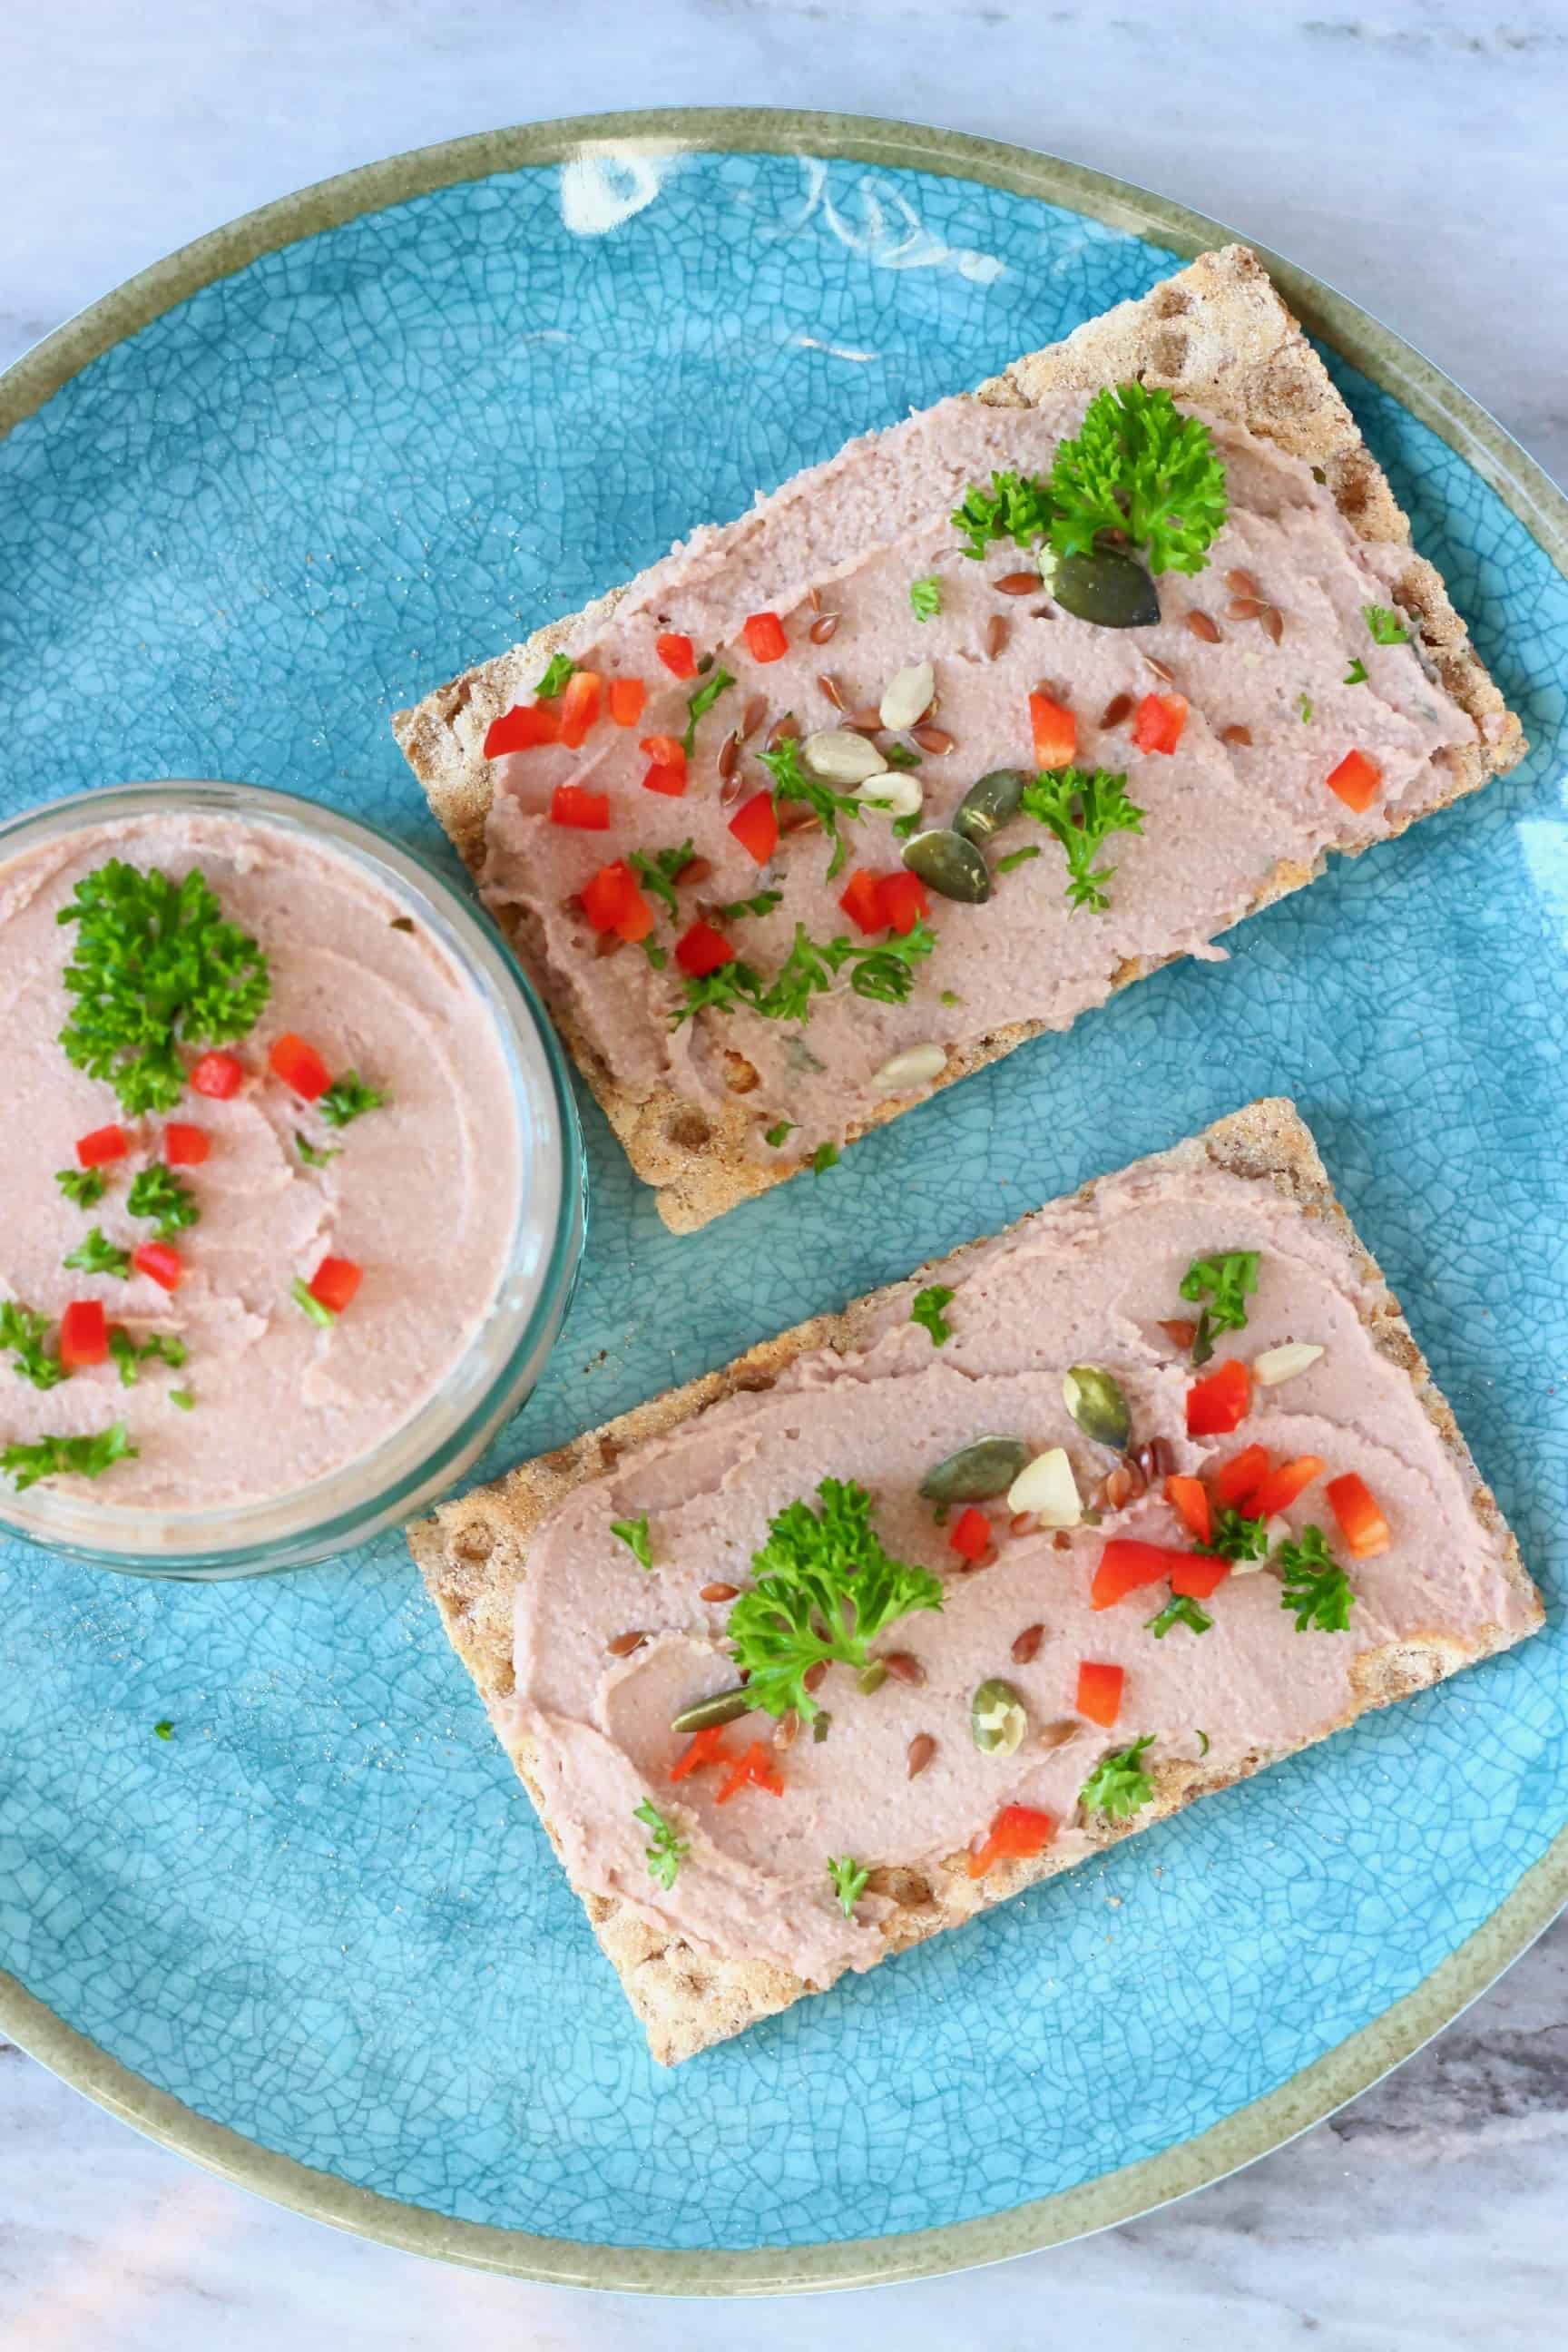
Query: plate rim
(1352, 2065)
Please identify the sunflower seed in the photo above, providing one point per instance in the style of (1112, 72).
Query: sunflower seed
(907, 694)
(1276, 1365)
(839, 756)
(917, 1065)
(1047, 1489)
(895, 792)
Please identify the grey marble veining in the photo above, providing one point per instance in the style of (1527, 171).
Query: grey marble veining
(1412, 155)
(1427, 2214)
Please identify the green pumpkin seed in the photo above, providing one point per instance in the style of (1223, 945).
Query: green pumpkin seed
(953, 866)
(1103, 586)
(1096, 1402)
(997, 1718)
(975, 1472)
(871, 1677)
(990, 804)
(724, 1707)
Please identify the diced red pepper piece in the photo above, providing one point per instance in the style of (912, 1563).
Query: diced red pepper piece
(185, 1147)
(755, 1768)
(521, 727)
(1219, 1402)
(575, 805)
(84, 1334)
(609, 896)
(636, 922)
(104, 1144)
(765, 638)
(218, 1077)
(1361, 1522)
(971, 1534)
(334, 1283)
(1017, 1834)
(861, 900)
(1189, 1499)
(163, 1264)
(667, 773)
(628, 697)
(1282, 1487)
(1126, 1564)
(1199, 1579)
(703, 950)
(755, 826)
(707, 1747)
(580, 707)
(1159, 720)
(677, 654)
(1356, 780)
(1237, 1480)
(902, 900)
(1055, 731)
(299, 1065)
(1100, 1692)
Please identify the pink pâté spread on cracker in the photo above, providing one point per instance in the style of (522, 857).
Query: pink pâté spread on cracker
(1135, 1488)
(947, 736)
(256, 1200)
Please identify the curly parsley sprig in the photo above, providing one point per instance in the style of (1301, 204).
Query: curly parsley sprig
(667, 1851)
(54, 1457)
(1136, 466)
(883, 973)
(1314, 1585)
(23, 1331)
(1228, 1281)
(1083, 809)
(1118, 1786)
(825, 1590)
(791, 782)
(154, 965)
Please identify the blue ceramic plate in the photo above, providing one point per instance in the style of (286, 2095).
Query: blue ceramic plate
(291, 480)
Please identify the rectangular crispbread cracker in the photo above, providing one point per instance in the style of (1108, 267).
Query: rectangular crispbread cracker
(1215, 334)
(474, 1552)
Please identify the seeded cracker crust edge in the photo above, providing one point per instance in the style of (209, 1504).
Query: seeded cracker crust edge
(474, 1552)
(1216, 333)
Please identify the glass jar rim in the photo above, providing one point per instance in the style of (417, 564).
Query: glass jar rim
(416, 1461)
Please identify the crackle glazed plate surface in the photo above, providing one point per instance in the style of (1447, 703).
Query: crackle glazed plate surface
(289, 480)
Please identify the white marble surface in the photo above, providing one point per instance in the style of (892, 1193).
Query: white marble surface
(1413, 155)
